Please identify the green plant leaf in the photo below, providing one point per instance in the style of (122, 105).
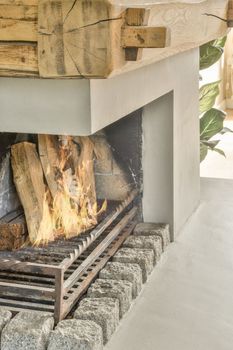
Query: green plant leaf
(207, 96)
(203, 151)
(220, 42)
(211, 144)
(220, 151)
(211, 123)
(211, 52)
(225, 130)
(209, 55)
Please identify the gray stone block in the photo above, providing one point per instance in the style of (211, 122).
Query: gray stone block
(27, 330)
(5, 317)
(121, 290)
(76, 334)
(146, 242)
(103, 311)
(143, 257)
(152, 229)
(128, 272)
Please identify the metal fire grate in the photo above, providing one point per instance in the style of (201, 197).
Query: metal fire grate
(53, 278)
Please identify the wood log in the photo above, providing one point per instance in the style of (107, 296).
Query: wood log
(49, 156)
(13, 231)
(69, 171)
(84, 165)
(29, 182)
(78, 166)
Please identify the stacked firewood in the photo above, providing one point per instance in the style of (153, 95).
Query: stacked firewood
(56, 185)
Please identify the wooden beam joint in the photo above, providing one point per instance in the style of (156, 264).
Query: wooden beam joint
(143, 37)
(136, 35)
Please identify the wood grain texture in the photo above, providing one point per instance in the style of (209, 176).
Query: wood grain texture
(49, 157)
(83, 38)
(18, 59)
(18, 22)
(188, 25)
(143, 37)
(29, 182)
(75, 38)
(135, 17)
(230, 14)
(13, 231)
(84, 165)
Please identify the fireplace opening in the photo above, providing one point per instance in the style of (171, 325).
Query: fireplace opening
(69, 204)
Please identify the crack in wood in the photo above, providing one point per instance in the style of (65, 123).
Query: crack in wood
(68, 13)
(215, 16)
(93, 24)
(75, 64)
(88, 52)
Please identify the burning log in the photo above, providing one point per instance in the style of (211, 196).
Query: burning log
(84, 165)
(68, 166)
(49, 157)
(68, 159)
(56, 187)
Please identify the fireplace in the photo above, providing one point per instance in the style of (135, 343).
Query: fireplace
(143, 171)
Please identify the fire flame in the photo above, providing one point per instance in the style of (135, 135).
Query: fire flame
(73, 209)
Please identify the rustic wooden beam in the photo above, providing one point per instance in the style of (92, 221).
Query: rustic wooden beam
(18, 22)
(76, 38)
(18, 59)
(230, 14)
(83, 38)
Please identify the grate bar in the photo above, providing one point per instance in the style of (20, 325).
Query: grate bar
(98, 250)
(54, 277)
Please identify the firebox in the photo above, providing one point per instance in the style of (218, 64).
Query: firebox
(69, 204)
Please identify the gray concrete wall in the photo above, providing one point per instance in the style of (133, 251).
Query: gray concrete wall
(45, 106)
(157, 161)
(171, 147)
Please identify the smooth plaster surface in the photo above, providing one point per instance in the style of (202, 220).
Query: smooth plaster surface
(171, 144)
(82, 107)
(187, 303)
(44, 106)
(157, 161)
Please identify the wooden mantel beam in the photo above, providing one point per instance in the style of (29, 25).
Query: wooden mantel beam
(100, 38)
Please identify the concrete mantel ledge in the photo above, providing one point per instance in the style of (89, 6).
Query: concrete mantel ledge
(82, 107)
(92, 42)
